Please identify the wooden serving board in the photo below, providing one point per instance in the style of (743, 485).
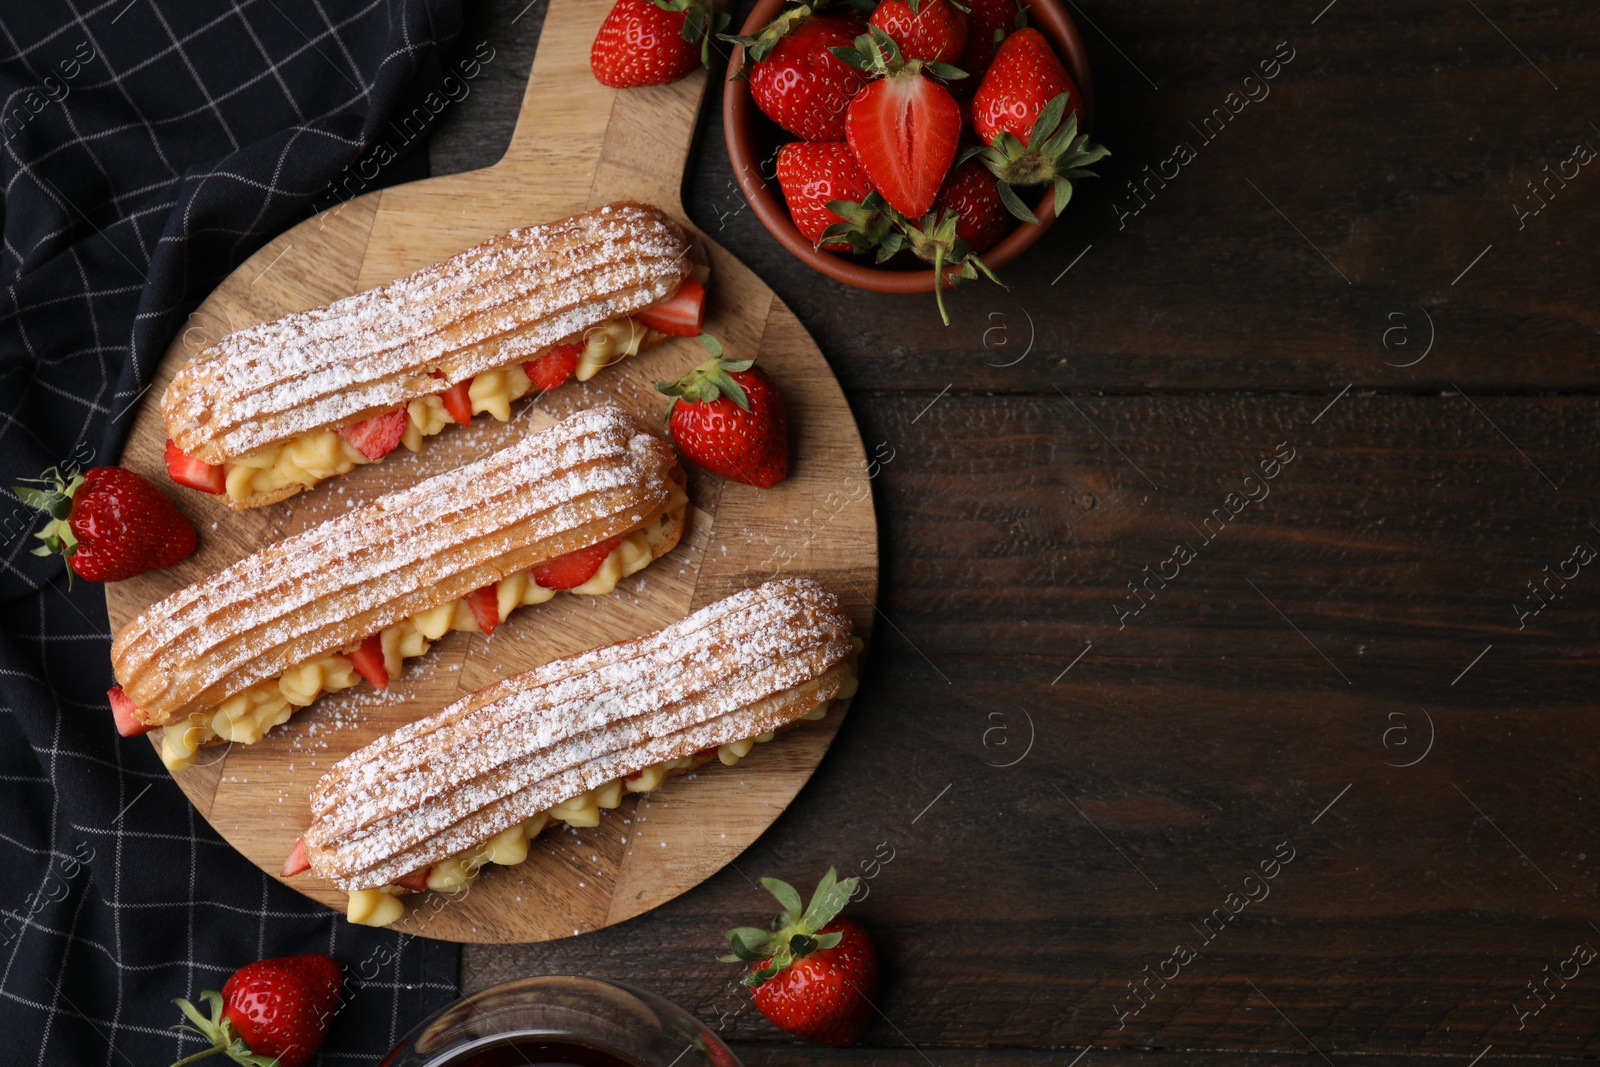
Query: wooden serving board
(577, 144)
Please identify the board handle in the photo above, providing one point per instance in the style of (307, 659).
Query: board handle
(647, 133)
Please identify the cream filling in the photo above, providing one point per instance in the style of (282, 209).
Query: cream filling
(321, 454)
(382, 906)
(246, 716)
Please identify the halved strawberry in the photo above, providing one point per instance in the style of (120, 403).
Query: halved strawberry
(368, 661)
(485, 605)
(125, 713)
(186, 470)
(680, 314)
(574, 568)
(297, 863)
(378, 436)
(904, 127)
(416, 881)
(458, 401)
(554, 367)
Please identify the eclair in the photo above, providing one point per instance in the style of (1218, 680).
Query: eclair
(575, 507)
(427, 806)
(278, 407)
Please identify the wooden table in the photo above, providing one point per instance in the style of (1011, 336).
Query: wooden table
(1077, 755)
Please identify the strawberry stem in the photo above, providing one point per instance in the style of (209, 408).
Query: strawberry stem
(795, 932)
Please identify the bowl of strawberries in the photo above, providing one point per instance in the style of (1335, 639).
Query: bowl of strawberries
(906, 146)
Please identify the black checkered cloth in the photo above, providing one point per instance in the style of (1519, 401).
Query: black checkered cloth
(146, 148)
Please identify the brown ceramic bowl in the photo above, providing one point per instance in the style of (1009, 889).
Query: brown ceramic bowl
(752, 138)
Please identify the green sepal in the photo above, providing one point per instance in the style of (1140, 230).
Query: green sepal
(786, 896)
(56, 501)
(759, 45)
(219, 1032)
(1056, 153)
(949, 72)
(711, 379)
(1013, 203)
(795, 932)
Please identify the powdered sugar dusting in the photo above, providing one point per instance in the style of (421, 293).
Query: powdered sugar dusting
(490, 306)
(752, 662)
(578, 482)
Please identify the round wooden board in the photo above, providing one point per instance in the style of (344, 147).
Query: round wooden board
(577, 144)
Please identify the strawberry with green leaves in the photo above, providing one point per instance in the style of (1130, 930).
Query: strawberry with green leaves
(972, 193)
(814, 173)
(1021, 113)
(653, 42)
(812, 975)
(728, 418)
(796, 78)
(271, 1013)
(108, 522)
(873, 225)
(904, 127)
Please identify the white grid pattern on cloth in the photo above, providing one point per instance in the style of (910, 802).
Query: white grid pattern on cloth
(114, 222)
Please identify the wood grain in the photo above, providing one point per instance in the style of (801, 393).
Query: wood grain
(1186, 747)
(578, 145)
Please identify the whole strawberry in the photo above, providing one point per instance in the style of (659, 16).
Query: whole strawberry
(653, 42)
(988, 22)
(271, 1012)
(727, 417)
(930, 29)
(795, 78)
(1024, 77)
(108, 522)
(812, 173)
(1027, 112)
(812, 975)
(973, 194)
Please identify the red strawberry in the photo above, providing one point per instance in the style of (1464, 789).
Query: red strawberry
(108, 522)
(971, 192)
(680, 314)
(812, 975)
(554, 367)
(126, 714)
(378, 436)
(794, 76)
(368, 661)
(416, 881)
(988, 21)
(652, 42)
(811, 174)
(1024, 77)
(271, 1008)
(186, 470)
(458, 401)
(322, 974)
(934, 30)
(1027, 113)
(297, 863)
(574, 568)
(902, 128)
(485, 607)
(727, 416)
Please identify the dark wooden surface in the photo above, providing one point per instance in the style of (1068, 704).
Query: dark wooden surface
(1055, 835)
